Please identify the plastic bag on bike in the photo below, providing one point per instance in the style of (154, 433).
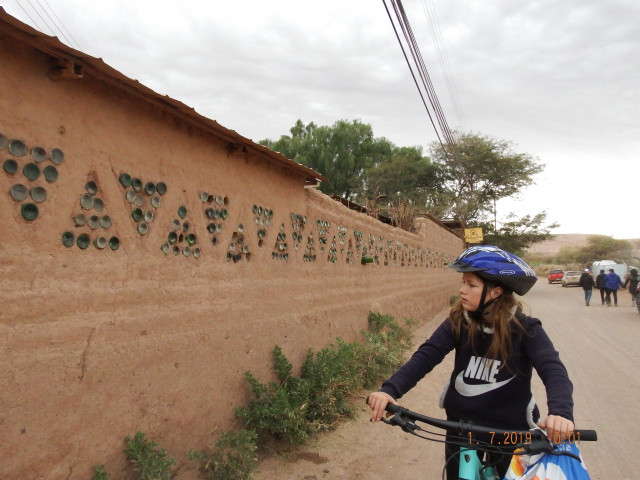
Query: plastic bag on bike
(548, 466)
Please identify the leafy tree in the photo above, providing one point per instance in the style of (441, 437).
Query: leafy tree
(402, 182)
(340, 152)
(602, 247)
(480, 171)
(403, 174)
(516, 234)
(565, 256)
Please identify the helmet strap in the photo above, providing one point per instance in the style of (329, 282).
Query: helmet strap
(482, 306)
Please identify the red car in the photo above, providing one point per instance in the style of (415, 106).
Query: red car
(555, 276)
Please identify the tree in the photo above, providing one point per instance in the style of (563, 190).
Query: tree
(479, 171)
(516, 234)
(341, 152)
(402, 175)
(602, 247)
(598, 247)
(462, 184)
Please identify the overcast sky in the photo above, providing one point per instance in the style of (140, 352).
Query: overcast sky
(560, 80)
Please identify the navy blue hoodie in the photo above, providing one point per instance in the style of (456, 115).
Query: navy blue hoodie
(480, 391)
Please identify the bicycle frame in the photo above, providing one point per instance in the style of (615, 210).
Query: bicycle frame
(471, 468)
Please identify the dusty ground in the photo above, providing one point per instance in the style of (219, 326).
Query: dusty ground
(599, 347)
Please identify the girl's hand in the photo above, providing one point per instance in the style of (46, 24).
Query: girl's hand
(378, 401)
(558, 428)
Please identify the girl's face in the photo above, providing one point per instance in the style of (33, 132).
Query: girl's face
(471, 292)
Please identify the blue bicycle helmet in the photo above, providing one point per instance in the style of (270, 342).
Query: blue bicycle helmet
(497, 266)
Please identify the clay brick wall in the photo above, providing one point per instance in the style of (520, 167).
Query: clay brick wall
(99, 343)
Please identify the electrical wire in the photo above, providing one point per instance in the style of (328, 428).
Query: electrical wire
(436, 34)
(415, 80)
(424, 74)
(35, 24)
(426, 84)
(70, 42)
(39, 15)
(55, 29)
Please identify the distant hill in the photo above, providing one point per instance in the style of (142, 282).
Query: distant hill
(552, 246)
(574, 240)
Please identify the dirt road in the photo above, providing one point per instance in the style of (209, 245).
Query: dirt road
(599, 346)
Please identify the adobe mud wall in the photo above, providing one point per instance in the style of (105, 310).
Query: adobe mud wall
(135, 331)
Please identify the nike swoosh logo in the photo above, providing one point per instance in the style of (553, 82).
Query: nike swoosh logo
(467, 390)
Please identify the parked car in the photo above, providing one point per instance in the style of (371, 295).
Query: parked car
(555, 276)
(571, 278)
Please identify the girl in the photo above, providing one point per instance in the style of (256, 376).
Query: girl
(497, 346)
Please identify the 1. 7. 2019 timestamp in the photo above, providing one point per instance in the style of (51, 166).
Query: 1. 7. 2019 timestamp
(519, 438)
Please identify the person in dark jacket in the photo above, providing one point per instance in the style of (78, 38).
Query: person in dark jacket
(632, 281)
(496, 348)
(600, 285)
(587, 283)
(611, 283)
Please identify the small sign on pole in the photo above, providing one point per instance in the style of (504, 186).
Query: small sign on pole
(473, 235)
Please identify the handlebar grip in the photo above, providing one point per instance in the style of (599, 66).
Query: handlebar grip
(586, 435)
(391, 407)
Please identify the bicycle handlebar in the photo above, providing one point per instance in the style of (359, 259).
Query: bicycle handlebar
(401, 413)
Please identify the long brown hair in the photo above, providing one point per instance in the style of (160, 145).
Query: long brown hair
(500, 317)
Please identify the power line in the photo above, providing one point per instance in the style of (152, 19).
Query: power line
(41, 17)
(436, 34)
(55, 29)
(63, 25)
(425, 85)
(415, 80)
(424, 74)
(35, 24)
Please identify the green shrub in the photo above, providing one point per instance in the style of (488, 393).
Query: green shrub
(384, 348)
(292, 408)
(233, 458)
(277, 410)
(148, 462)
(332, 374)
(99, 473)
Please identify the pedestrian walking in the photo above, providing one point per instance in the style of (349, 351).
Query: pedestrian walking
(611, 282)
(632, 281)
(600, 285)
(587, 283)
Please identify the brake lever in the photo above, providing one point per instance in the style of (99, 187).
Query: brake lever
(537, 446)
(399, 421)
(545, 446)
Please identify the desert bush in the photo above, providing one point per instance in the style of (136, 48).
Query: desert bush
(292, 408)
(277, 410)
(149, 462)
(234, 457)
(385, 345)
(100, 473)
(332, 374)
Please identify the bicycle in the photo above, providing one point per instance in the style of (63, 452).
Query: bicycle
(465, 435)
